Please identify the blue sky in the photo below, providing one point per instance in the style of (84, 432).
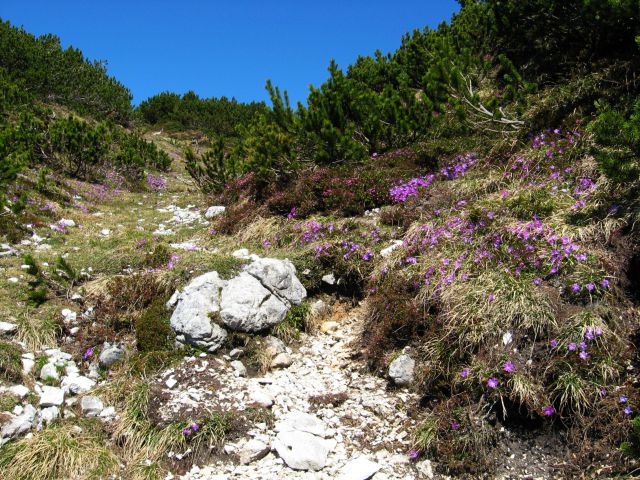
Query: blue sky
(225, 48)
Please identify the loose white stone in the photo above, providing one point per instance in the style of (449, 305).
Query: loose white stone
(301, 422)
(19, 390)
(239, 369)
(49, 372)
(51, 396)
(360, 468)
(171, 382)
(385, 252)
(91, 406)
(261, 398)
(69, 316)
(401, 370)
(252, 450)
(302, 450)
(77, 384)
(214, 212)
(49, 414)
(329, 279)
(6, 327)
(18, 425)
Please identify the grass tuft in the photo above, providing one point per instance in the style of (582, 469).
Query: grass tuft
(60, 451)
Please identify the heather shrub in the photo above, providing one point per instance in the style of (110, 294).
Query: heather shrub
(125, 297)
(153, 332)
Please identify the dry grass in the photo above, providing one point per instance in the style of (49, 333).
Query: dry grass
(58, 452)
(37, 328)
(472, 318)
(260, 230)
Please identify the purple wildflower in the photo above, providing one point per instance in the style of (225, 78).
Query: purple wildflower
(195, 427)
(628, 411)
(465, 372)
(583, 355)
(553, 343)
(186, 432)
(589, 334)
(492, 382)
(623, 399)
(455, 425)
(88, 354)
(414, 454)
(590, 286)
(572, 346)
(509, 367)
(549, 410)
(575, 287)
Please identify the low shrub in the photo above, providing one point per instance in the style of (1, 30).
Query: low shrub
(153, 332)
(126, 297)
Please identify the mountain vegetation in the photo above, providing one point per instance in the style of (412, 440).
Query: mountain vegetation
(473, 195)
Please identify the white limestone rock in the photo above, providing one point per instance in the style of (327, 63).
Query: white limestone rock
(8, 328)
(401, 370)
(49, 372)
(51, 396)
(360, 468)
(197, 306)
(91, 406)
(247, 306)
(302, 450)
(214, 211)
(279, 277)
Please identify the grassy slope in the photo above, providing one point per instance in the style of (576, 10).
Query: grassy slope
(456, 326)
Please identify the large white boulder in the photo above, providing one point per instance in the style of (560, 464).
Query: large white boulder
(257, 298)
(193, 320)
(279, 277)
(247, 306)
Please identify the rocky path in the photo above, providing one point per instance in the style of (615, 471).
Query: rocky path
(332, 420)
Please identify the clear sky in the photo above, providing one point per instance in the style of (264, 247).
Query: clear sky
(225, 47)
